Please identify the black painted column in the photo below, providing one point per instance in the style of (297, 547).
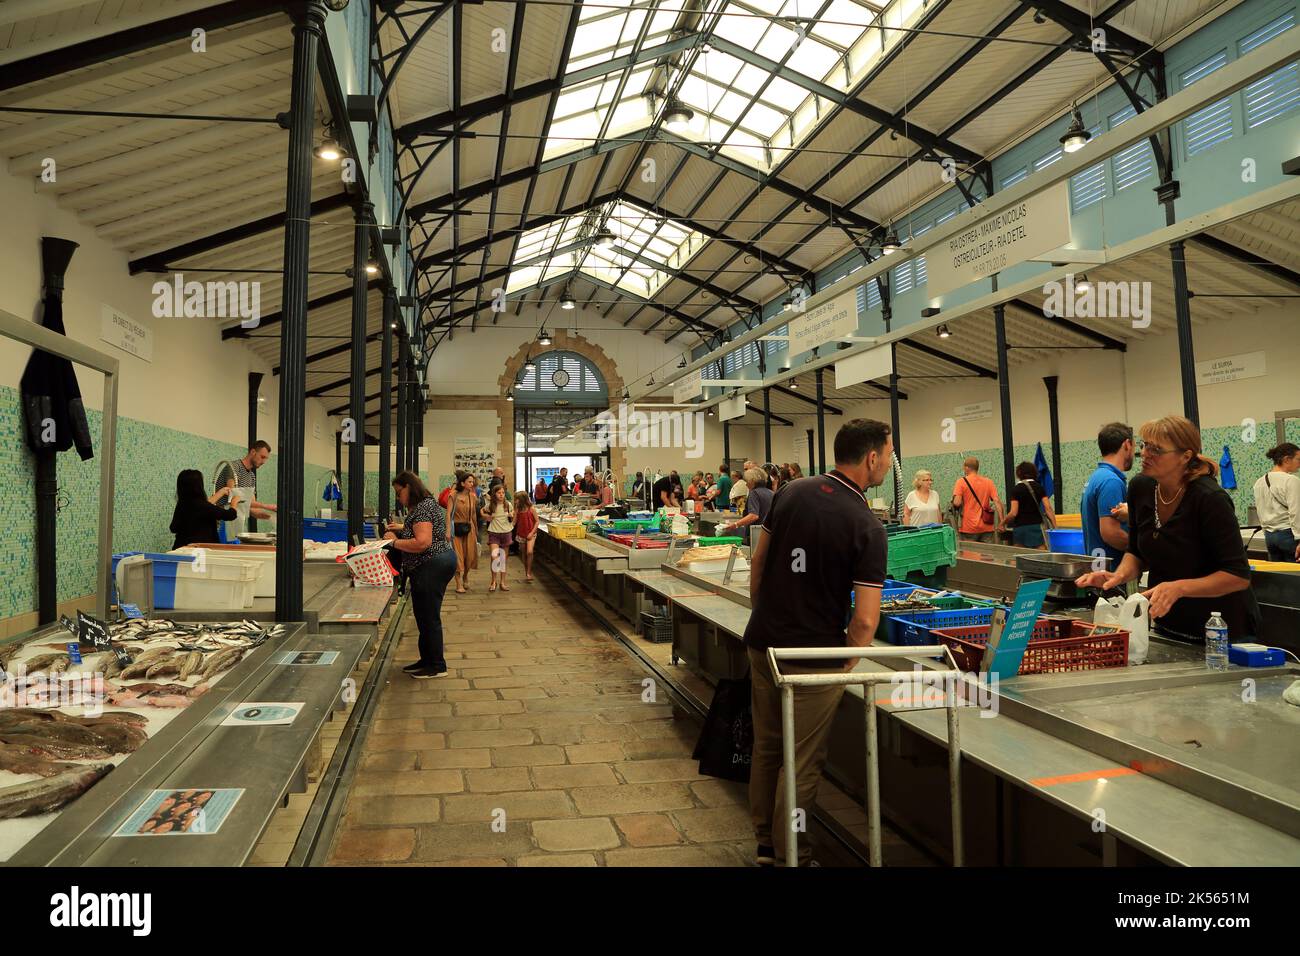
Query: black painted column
(726, 443)
(386, 401)
(362, 217)
(1004, 400)
(309, 26)
(1054, 422)
(821, 425)
(767, 424)
(417, 413)
(812, 455)
(1183, 314)
(402, 436)
(254, 386)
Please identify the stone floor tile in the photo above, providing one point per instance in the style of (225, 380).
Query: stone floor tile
(657, 771)
(387, 811)
(631, 798)
(454, 759)
(557, 859)
(409, 781)
(457, 842)
(592, 833)
(714, 824)
(716, 855)
(595, 753)
(648, 829)
(422, 741)
(574, 775)
(375, 845)
(498, 779)
(518, 805)
(514, 737)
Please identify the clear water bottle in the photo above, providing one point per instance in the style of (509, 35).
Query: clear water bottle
(1216, 643)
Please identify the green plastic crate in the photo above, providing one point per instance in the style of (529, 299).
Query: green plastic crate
(920, 549)
(705, 542)
(631, 524)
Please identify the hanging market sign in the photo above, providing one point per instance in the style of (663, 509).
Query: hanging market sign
(865, 366)
(123, 332)
(688, 387)
(730, 408)
(1007, 236)
(1230, 368)
(831, 321)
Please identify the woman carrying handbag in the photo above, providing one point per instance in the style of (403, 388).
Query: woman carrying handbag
(462, 516)
(1031, 510)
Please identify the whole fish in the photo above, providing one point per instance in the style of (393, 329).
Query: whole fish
(58, 749)
(15, 760)
(60, 730)
(193, 661)
(222, 660)
(42, 796)
(41, 661)
(170, 666)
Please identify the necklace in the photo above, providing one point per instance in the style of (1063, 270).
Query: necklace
(1159, 499)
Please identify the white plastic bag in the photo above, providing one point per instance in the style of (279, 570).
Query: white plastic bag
(1107, 611)
(1133, 618)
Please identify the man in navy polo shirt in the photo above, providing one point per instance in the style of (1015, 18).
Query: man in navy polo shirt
(1103, 509)
(821, 544)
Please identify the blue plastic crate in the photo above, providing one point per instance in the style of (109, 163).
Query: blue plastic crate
(1065, 541)
(164, 575)
(913, 628)
(325, 529)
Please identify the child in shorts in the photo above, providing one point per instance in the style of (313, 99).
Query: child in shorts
(500, 516)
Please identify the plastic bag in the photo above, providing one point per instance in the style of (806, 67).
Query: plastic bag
(725, 747)
(1133, 618)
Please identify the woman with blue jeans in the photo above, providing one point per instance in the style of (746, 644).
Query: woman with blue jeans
(428, 564)
(1030, 509)
(1277, 500)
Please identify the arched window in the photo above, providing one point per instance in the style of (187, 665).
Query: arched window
(565, 377)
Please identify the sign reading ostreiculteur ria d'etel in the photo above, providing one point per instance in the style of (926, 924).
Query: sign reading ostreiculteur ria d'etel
(1006, 236)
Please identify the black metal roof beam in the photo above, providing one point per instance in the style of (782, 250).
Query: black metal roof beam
(330, 298)
(1081, 26)
(1105, 341)
(917, 134)
(161, 261)
(791, 393)
(123, 43)
(477, 245)
(1254, 260)
(979, 370)
(340, 382)
(512, 70)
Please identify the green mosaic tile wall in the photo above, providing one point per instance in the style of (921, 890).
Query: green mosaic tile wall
(1078, 459)
(148, 460)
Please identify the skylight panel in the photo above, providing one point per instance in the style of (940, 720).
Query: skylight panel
(784, 94)
(814, 59)
(763, 120)
(839, 13)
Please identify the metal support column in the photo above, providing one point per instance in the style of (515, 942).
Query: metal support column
(254, 385)
(1004, 399)
(403, 350)
(417, 414)
(363, 215)
(726, 444)
(308, 28)
(812, 457)
(893, 415)
(821, 426)
(386, 402)
(767, 424)
(1054, 422)
(1183, 314)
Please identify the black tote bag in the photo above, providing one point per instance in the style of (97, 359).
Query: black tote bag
(726, 745)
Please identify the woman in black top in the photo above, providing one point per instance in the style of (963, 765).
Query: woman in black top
(1183, 531)
(195, 519)
(428, 564)
(1030, 510)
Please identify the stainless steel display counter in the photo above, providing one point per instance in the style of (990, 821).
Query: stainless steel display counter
(1160, 763)
(195, 752)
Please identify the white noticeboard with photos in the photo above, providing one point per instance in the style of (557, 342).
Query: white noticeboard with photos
(478, 456)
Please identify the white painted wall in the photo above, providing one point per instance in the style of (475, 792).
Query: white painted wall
(195, 383)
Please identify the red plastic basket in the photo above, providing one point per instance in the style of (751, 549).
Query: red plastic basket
(1055, 646)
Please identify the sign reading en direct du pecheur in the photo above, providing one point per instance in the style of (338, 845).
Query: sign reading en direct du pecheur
(1005, 237)
(829, 322)
(117, 329)
(1230, 368)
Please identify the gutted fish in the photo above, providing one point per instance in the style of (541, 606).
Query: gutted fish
(50, 793)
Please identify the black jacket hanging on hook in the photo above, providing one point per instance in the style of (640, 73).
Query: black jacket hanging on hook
(49, 383)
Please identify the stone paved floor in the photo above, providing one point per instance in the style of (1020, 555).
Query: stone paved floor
(536, 749)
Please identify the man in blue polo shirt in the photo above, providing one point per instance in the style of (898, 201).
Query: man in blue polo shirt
(1106, 490)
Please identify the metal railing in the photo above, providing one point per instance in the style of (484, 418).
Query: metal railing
(789, 682)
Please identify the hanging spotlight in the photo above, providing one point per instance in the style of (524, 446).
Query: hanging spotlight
(566, 301)
(710, 411)
(604, 238)
(329, 148)
(943, 331)
(529, 364)
(682, 363)
(890, 244)
(652, 381)
(1076, 137)
(372, 268)
(543, 337)
(678, 116)
(510, 396)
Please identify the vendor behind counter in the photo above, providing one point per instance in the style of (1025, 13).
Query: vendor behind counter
(1183, 532)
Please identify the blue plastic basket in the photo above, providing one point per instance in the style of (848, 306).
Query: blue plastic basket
(914, 628)
(164, 575)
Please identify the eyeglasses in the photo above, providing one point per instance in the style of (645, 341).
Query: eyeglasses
(1156, 451)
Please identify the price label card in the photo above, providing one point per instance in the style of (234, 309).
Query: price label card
(123, 657)
(74, 652)
(131, 610)
(92, 631)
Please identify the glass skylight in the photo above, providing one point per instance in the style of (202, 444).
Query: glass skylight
(740, 108)
(647, 250)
